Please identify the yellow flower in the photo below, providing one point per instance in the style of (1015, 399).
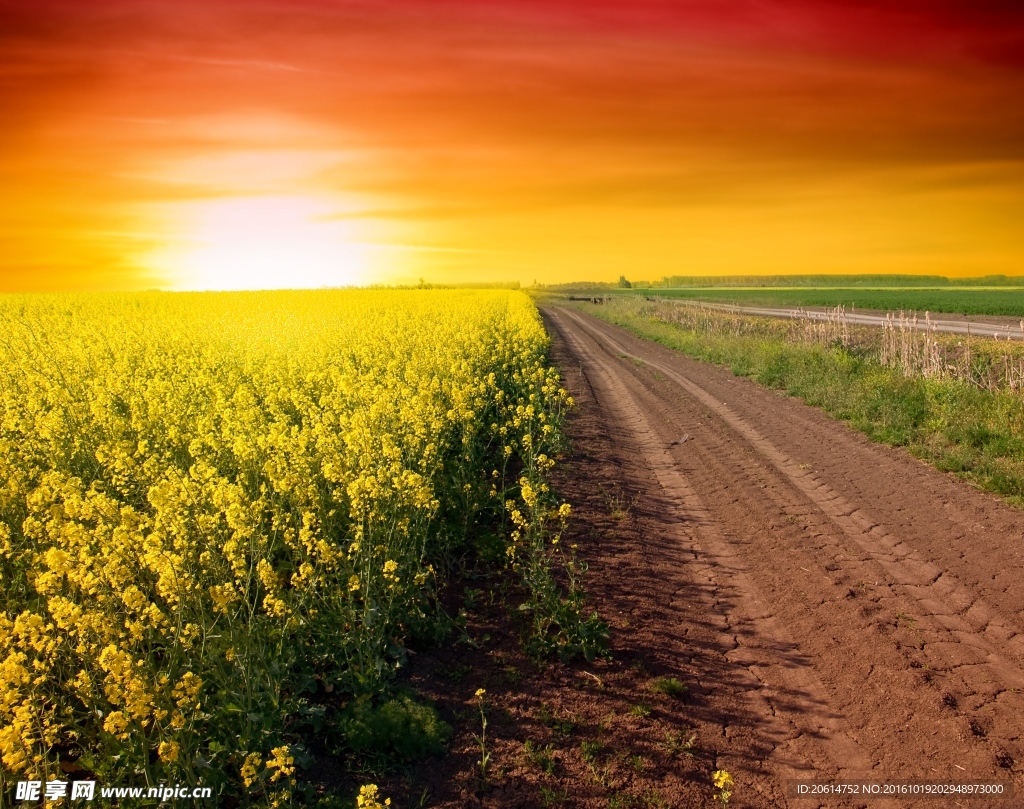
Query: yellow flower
(266, 574)
(250, 768)
(282, 762)
(115, 723)
(368, 798)
(231, 442)
(223, 595)
(724, 784)
(187, 690)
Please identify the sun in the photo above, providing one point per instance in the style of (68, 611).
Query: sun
(261, 243)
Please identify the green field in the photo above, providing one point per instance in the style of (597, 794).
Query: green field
(990, 301)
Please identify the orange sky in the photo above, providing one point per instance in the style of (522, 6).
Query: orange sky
(216, 144)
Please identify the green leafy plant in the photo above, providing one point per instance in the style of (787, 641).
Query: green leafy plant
(540, 757)
(560, 622)
(563, 727)
(397, 728)
(678, 742)
(670, 687)
(551, 797)
(590, 751)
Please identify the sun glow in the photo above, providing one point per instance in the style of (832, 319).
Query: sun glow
(262, 243)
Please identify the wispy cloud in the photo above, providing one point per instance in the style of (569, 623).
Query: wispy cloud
(234, 64)
(548, 138)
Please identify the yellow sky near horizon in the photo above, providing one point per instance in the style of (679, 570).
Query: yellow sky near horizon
(315, 143)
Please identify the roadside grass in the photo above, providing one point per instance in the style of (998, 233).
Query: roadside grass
(1003, 302)
(975, 434)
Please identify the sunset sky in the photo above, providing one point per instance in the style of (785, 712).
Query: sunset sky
(210, 144)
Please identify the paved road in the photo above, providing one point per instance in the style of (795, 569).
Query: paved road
(972, 327)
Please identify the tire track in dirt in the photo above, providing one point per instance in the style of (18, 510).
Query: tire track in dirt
(915, 675)
(940, 593)
(763, 647)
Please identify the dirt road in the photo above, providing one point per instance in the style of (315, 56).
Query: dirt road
(867, 610)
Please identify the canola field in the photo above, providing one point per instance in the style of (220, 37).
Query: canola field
(217, 509)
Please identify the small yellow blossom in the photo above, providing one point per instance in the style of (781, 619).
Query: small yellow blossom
(250, 768)
(115, 723)
(724, 784)
(368, 798)
(281, 762)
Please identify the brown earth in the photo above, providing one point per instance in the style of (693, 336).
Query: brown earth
(838, 609)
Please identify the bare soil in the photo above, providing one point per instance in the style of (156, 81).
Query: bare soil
(837, 609)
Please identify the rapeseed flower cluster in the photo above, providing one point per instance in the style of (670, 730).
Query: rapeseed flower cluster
(215, 505)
